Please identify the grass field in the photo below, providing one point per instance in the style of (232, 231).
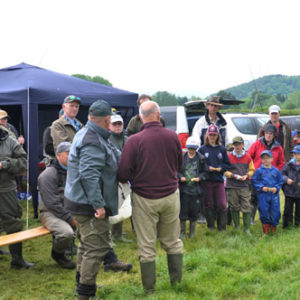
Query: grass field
(229, 265)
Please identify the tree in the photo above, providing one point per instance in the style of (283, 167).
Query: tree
(225, 94)
(165, 99)
(97, 79)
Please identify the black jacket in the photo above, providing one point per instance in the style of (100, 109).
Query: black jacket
(290, 171)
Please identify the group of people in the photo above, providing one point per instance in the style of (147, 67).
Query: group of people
(79, 188)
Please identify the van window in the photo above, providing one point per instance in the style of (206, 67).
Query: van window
(244, 125)
(169, 116)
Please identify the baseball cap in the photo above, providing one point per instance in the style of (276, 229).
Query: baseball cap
(274, 109)
(3, 114)
(116, 118)
(100, 108)
(212, 129)
(63, 147)
(296, 149)
(72, 98)
(191, 143)
(238, 140)
(266, 152)
(270, 128)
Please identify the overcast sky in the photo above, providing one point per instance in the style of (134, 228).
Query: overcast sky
(189, 47)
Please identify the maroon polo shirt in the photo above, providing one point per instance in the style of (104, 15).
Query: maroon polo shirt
(150, 161)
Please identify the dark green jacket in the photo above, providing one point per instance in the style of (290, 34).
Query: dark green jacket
(13, 159)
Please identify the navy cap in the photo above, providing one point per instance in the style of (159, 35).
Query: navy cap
(72, 98)
(296, 149)
(266, 152)
(100, 108)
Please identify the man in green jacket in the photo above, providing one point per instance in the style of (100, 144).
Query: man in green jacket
(13, 161)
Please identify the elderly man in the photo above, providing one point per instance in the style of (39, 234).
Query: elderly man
(54, 216)
(212, 116)
(283, 131)
(13, 160)
(64, 129)
(91, 193)
(150, 160)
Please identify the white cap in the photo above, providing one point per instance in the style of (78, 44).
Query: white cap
(274, 109)
(116, 118)
(191, 142)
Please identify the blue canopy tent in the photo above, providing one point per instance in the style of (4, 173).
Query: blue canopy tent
(32, 96)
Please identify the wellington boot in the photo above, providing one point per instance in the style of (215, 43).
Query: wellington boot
(18, 262)
(247, 222)
(148, 274)
(175, 267)
(236, 218)
(182, 229)
(222, 220)
(210, 219)
(192, 229)
(3, 252)
(63, 260)
(265, 228)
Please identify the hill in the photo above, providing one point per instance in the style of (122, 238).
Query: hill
(271, 85)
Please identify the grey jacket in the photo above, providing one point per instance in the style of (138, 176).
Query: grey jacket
(51, 184)
(92, 172)
(13, 159)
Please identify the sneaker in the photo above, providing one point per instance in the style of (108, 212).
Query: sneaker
(118, 266)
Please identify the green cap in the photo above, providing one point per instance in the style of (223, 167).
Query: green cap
(100, 108)
(238, 140)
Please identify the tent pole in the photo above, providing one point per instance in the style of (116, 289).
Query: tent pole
(27, 178)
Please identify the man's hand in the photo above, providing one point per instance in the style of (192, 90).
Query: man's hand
(0, 166)
(100, 213)
(73, 224)
(21, 139)
(183, 179)
(290, 181)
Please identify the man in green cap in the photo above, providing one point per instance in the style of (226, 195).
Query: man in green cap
(91, 193)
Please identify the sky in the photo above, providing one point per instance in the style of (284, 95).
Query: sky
(190, 47)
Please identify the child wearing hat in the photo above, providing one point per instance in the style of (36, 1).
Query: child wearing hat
(194, 171)
(218, 162)
(267, 181)
(237, 184)
(291, 189)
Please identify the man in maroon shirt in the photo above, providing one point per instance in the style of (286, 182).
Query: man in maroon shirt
(150, 161)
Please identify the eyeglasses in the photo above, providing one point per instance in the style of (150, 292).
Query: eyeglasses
(116, 124)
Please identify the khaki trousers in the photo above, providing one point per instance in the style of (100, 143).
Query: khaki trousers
(239, 199)
(156, 218)
(94, 243)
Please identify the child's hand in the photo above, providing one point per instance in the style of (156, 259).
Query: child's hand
(273, 190)
(290, 181)
(265, 189)
(196, 179)
(183, 179)
(243, 178)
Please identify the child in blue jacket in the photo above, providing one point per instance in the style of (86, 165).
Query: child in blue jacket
(267, 181)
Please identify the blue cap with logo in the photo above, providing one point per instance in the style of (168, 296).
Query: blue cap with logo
(296, 149)
(266, 152)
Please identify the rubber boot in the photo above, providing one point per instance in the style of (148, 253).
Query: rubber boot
(192, 229)
(210, 219)
(175, 267)
(3, 252)
(247, 222)
(148, 274)
(117, 233)
(236, 218)
(273, 229)
(222, 220)
(182, 229)
(18, 261)
(265, 228)
(63, 260)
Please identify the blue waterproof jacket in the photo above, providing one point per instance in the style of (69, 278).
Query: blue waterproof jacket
(268, 203)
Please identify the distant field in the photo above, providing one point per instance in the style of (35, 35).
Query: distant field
(217, 265)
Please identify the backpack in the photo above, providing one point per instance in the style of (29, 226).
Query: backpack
(48, 142)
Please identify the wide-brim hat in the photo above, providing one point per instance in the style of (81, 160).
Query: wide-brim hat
(215, 100)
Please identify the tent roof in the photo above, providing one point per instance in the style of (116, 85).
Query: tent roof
(48, 87)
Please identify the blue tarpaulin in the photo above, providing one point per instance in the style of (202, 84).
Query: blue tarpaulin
(32, 96)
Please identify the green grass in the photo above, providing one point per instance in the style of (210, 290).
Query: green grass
(228, 265)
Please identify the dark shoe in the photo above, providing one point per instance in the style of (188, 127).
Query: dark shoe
(3, 252)
(148, 274)
(182, 229)
(175, 267)
(18, 262)
(118, 266)
(62, 260)
(236, 218)
(192, 229)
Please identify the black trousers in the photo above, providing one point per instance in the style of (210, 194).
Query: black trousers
(190, 207)
(289, 210)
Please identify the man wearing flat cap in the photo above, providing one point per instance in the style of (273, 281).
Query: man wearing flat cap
(91, 193)
(64, 129)
(54, 216)
(283, 133)
(212, 116)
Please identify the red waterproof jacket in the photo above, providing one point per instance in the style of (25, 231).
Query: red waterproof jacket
(257, 147)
